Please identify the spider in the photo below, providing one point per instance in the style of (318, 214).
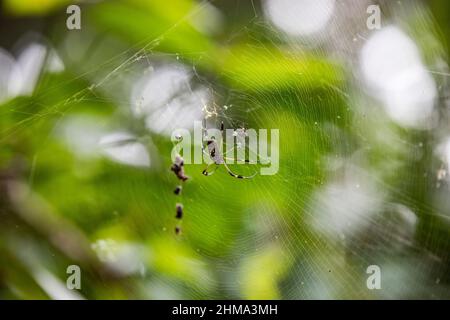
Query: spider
(217, 157)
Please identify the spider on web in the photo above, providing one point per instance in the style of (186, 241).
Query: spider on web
(217, 157)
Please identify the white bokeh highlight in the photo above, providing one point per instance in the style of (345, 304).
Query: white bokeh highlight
(299, 17)
(19, 76)
(345, 206)
(394, 74)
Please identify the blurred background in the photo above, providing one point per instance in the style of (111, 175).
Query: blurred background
(85, 122)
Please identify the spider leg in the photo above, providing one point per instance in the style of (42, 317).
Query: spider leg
(238, 176)
(209, 173)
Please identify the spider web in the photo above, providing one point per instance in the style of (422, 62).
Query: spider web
(338, 204)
